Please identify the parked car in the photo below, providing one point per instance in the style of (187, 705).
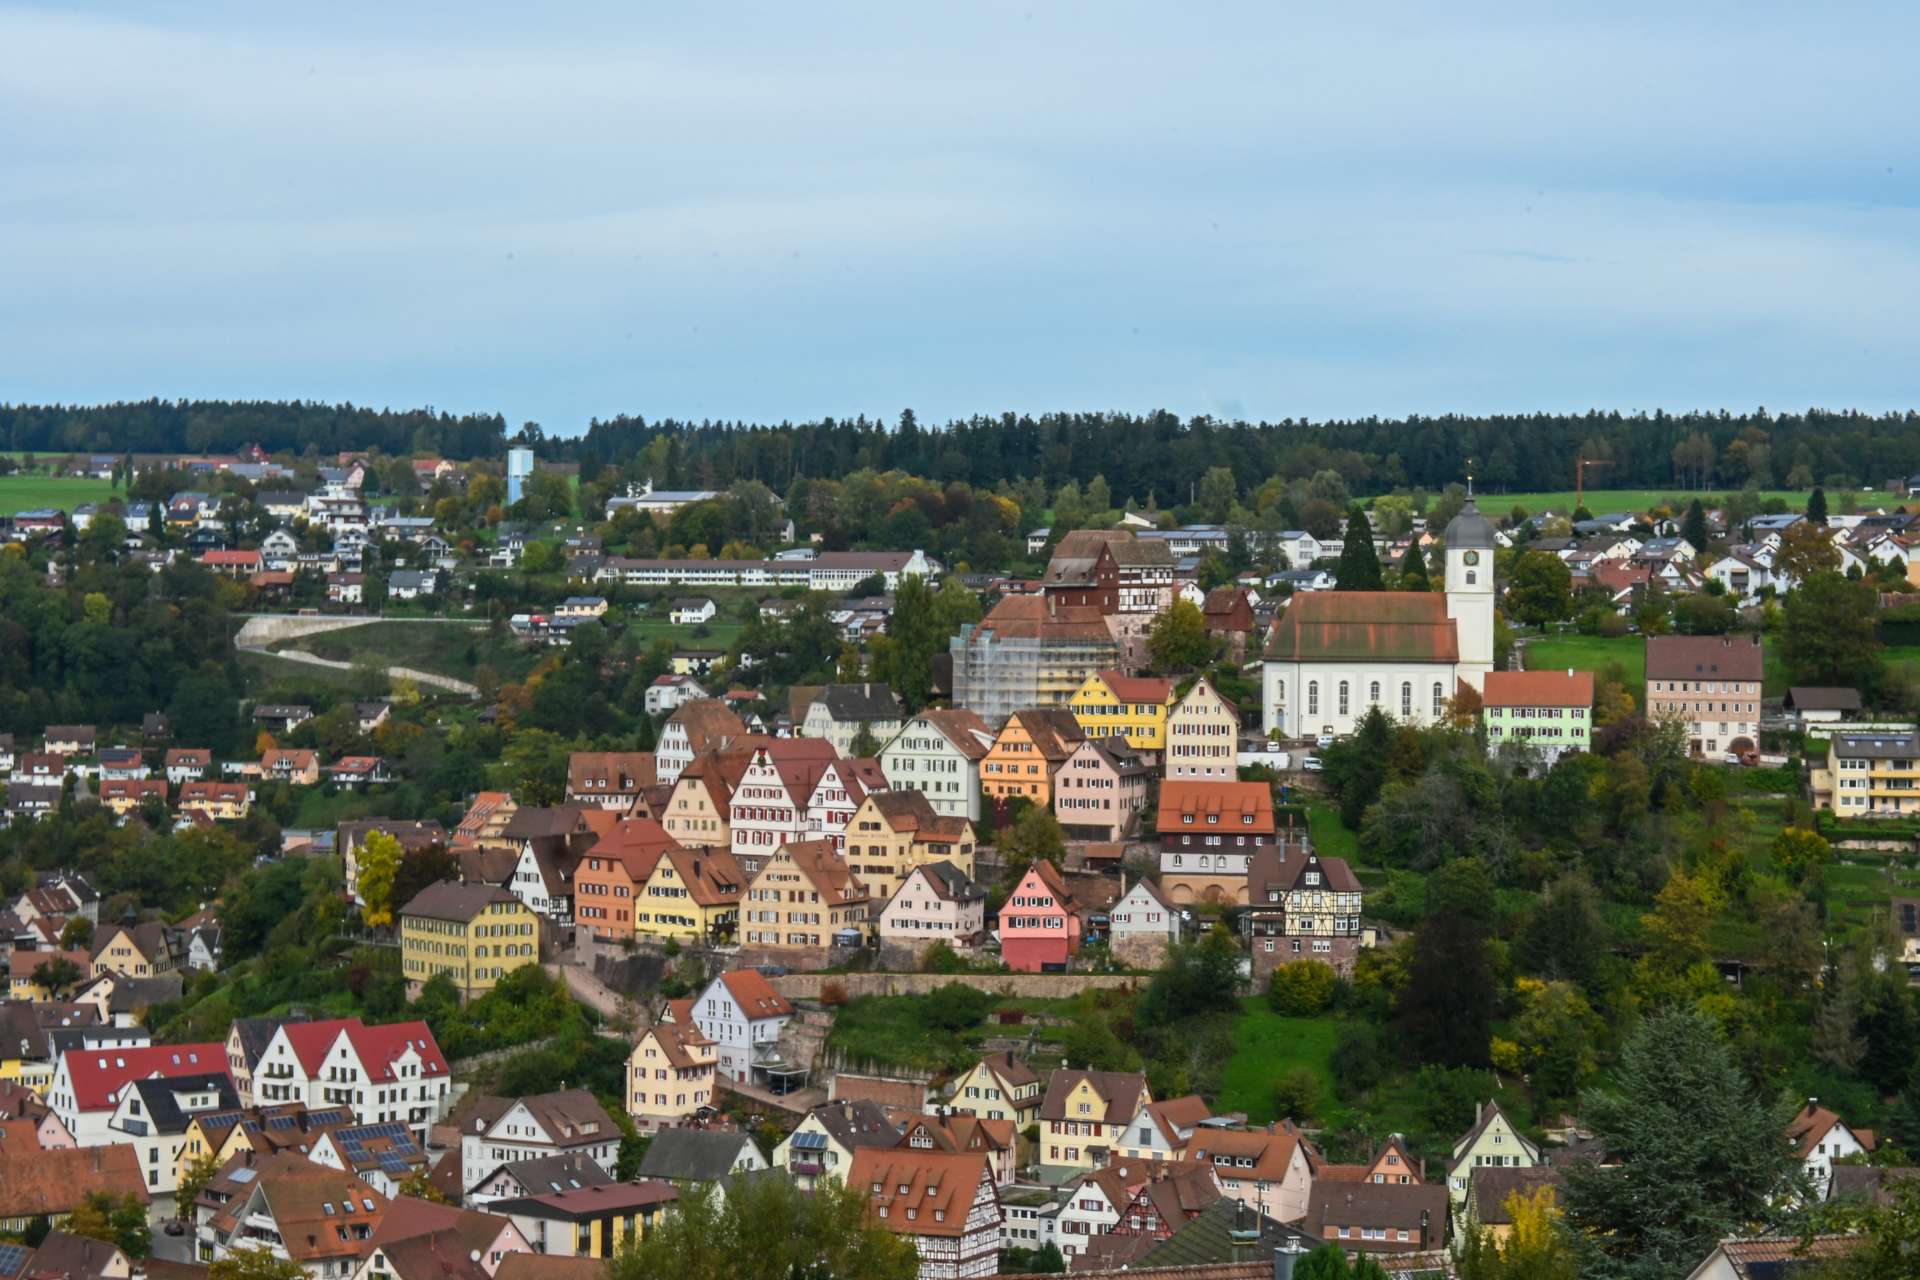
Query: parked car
(1324, 741)
(1310, 763)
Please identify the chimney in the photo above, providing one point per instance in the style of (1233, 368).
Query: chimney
(1286, 1257)
(1425, 1215)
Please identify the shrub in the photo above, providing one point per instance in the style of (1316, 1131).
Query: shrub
(1359, 1058)
(955, 1007)
(1302, 988)
(833, 994)
(1296, 1094)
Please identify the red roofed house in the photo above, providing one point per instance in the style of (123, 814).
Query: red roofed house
(88, 1083)
(743, 1015)
(945, 1202)
(1822, 1139)
(612, 874)
(1333, 656)
(1548, 711)
(235, 564)
(387, 1074)
(1039, 925)
(1209, 833)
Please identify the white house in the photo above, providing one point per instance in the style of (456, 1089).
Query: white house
(153, 1116)
(668, 693)
(840, 711)
(692, 611)
(90, 1082)
(571, 1122)
(1143, 916)
(1821, 1139)
(743, 1015)
(938, 754)
(387, 1074)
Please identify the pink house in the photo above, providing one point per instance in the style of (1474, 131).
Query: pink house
(1100, 790)
(1039, 927)
(937, 902)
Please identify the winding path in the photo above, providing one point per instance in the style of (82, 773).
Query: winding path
(263, 629)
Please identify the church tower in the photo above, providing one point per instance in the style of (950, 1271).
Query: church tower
(1470, 546)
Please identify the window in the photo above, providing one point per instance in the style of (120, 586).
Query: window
(1406, 699)
(1439, 701)
(1343, 697)
(1373, 693)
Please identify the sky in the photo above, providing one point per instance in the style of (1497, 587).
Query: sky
(784, 211)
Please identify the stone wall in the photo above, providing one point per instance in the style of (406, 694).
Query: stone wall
(1037, 986)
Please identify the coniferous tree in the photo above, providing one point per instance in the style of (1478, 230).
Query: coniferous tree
(1359, 565)
(1413, 569)
(1448, 1004)
(1694, 527)
(1817, 507)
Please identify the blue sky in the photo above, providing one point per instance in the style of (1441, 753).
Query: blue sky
(782, 211)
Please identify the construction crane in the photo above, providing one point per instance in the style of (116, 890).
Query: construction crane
(1580, 466)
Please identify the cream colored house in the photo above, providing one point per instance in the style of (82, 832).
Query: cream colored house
(1000, 1087)
(802, 900)
(670, 1075)
(1203, 736)
(937, 902)
(895, 831)
(1492, 1142)
(1085, 1114)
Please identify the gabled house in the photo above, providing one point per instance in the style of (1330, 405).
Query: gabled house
(937, 902)
(1304, 907)
(357, 773)
(569, 1122)
(1031, 747)
(696, 726)
(893, 832)
(670, 1075)
(1099, 791)
(135, 951)
(1143, 926)
(1378, 1218)
(999, 1087)
(837, 796)
(1269, 1169)
(321, 1219)
(690, 895)
(743, 1015)
(770, 804)
(391, 1074)
(299, 766)
(1491, 1142)
(802, 903)
(1203, 735)
(1821, 1140)
(1085, 1115)
(945, 1203)
(1161, 1131)
(994, 1139)
(1110, 703)
(694, 1158)
(699, 807)
(613, 873)
(822, 1146)
(89, 1083)
(938, 753)
(840, 713)
(1040, 922)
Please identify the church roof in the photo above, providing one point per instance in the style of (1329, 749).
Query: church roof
(1469, 529)
(1376, 626)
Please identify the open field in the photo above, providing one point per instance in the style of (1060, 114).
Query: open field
(1266, 1046)
(1592, 653)
(1602, 501)
(30, 492)
(443, 650)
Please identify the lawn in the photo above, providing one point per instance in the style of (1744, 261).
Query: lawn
(891, 1031)
(1592, 653)
(32, 492)
(1330, 835)
(719, 635)
(1266, 1045)
(1604, 501)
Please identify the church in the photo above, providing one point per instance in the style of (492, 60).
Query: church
(1334, 655)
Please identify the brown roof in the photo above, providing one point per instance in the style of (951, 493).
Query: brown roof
(1749, 1258)
(452, 900)
(938, 1188)
(544, 1266)
(711, 876)
(754, 994)
(619, 773)
(636, 844)
(1034, 617)
(1271, 1150)
(1143, 689)
(708, 722)
(73, 1257)
(1375, 626)
(962, 728)
(1281, 868)
(177, 756)
(1009, 1069)
(1053, 730)
(903, 810)
(678, 1041)
(1492, 1186)
(1390, 1205)
(1180, 1113)
(1538, 689)
(1120, 1090)
(830, 876)
(1703, 657)
(36, 1183)
(1188, 805)
(1811, 1124)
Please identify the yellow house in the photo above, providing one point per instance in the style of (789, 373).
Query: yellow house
(1000, 1087)
(670, 1075)
(22, 986)
(1085, 1114)
(892, 832)
(137, 951)
(219, 801)
(476, 934)
(1031, 747)
(801, 900)
(693, 894)
(1134, 707)
(587, 1222)
(698, 809)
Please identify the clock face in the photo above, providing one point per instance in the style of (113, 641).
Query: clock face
(1472, 557)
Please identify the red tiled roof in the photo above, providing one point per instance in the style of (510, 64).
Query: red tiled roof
(98, 1075)
(1538, 689)
(754, 994)
(1186, 805)
(1377, 626)
(1143, 689)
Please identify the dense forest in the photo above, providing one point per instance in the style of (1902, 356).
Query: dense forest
(222, 426)
(1157, 456)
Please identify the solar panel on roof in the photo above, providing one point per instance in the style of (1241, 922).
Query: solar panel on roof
(810, 1141)
(13, 1259)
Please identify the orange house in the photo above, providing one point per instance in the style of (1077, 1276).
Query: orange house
(1032, 746)
(611, 875)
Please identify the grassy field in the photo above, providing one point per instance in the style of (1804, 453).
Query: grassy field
(1592, 653)
(443, 649)
(719, 634)
(1267, 1045)
(891, 1031)
(1602, 501)
(30, 492)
